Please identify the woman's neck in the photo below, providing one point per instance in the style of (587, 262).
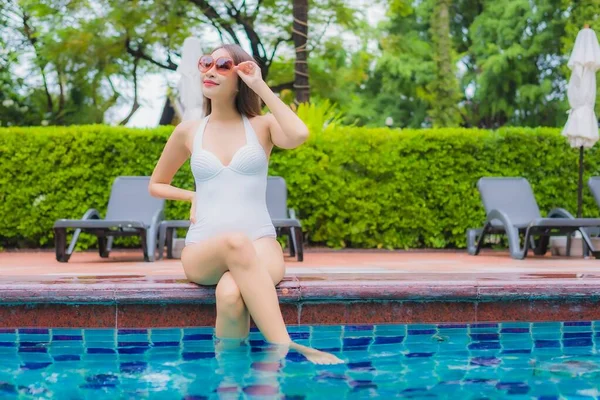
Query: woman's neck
(223, 110)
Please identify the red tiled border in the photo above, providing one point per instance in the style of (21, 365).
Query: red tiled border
(325, 313)
(292, 290)
(58, 315)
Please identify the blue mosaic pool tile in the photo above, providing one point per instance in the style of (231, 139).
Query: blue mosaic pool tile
(515, 331)
(189, 356)
(489, 345)
(386, 329)
(419, 355)
(197, 336)
(299, 328)
(69, 331)
(133, 350)
(327, 328)
(361, 366)
(133, 367)
(205, 329)
(132, 331)
(133, 337)
(547, 335)
(66, 357)
(132, 344)
(451, 336)
(299, 335)
(32, 349)
(578, 342)
(357, 341)
(32, 344)
(100, 380)
(8, 337)
(258, 343)
(429, 332)
(91, 344)
(359, 328)
(166, 344)
(516, 351)
(380, 340)
(96, 331)
(577, 323)
(326, 343)
(525, 343)
(35, 365)
(573, 335)
(100, 350)
(452, 326)
(546, 326)
(33, 331)
(44, 338)
(59, 337)
(484, 325)
(167, 331)
(5, 385)
(542, 343)
(488, 361)
(485, 337)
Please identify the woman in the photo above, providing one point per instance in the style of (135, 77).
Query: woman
(232, 242)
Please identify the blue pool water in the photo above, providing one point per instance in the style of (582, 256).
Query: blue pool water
(542, 360)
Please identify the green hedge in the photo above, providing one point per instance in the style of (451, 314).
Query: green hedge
(352, 187)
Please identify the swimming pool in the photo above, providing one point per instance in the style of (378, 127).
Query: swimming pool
(541, 360)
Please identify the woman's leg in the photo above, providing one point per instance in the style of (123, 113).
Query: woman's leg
(233, 318)
(206, 262)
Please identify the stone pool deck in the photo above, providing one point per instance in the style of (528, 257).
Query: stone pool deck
(329, 287)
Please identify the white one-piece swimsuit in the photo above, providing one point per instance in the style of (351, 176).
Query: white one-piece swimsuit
(230, 198)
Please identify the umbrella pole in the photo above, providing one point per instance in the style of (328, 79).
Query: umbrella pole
(580, 184)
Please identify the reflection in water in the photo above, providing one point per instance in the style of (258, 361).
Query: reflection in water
(240, 370)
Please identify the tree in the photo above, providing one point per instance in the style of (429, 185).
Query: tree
(300, 35)
(87, 56)
(397, 84)
(265, 25)
(445, 97)
(518, 79)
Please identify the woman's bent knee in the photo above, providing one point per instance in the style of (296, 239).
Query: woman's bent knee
(229, 297)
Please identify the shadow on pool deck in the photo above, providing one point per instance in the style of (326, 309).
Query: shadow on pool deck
(329, 287)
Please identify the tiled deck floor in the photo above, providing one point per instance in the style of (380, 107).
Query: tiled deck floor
(328, 287)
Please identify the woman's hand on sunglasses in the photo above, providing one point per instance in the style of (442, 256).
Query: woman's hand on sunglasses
(250, 73)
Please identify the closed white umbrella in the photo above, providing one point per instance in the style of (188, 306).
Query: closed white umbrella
(190, 97)
(581, 128)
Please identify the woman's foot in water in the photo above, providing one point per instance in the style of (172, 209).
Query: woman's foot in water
(315, 356)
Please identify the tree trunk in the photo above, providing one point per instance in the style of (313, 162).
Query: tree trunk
(444, 109)
(300, 36)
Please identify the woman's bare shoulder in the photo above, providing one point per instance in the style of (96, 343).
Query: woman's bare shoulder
(184, 131)
(187, 127)
(262, 123)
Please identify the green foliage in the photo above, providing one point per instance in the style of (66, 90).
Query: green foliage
(354, 187)
(511, 57)
(397, 85)
(520, 56)
(320, 116)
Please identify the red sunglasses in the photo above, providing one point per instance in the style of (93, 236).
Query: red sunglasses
(223, 64)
